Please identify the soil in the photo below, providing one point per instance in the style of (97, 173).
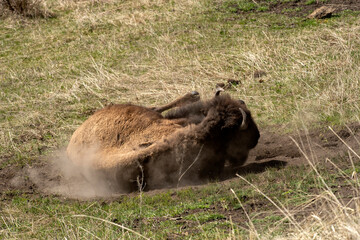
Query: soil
(300, 8)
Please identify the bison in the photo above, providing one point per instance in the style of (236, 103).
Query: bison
(136, 147)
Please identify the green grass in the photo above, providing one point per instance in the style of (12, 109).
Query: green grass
(55, 72)
(309, 2)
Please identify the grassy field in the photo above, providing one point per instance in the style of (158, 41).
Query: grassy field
(295, 74)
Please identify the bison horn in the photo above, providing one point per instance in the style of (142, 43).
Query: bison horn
(244, 124)
(218, 90)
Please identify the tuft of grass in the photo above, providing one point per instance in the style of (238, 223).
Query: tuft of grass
(309, 2)
(26, 8)
(238, 6)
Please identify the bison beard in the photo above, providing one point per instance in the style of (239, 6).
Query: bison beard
(136, 147)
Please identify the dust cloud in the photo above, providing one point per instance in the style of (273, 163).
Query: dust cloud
(61, 176)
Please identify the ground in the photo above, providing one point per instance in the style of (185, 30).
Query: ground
(297, 76)
(281, 153)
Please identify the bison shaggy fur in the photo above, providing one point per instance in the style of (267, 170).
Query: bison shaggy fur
(133, 146)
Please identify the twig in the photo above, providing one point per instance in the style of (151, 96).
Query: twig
(247, 215)
(118, 225)
(197, 157)
(255, 2)
(284, 211)
(344, 143)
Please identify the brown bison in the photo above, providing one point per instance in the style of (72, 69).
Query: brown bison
(134, 146)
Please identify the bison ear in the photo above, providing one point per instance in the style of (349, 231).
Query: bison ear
(218, 91)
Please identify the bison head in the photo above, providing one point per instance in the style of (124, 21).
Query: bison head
(236, 132)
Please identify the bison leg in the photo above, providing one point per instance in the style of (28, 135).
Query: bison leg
(182, 101)
(191, 113)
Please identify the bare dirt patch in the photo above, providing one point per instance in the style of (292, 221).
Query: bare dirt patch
(318, 144)
(300, 8)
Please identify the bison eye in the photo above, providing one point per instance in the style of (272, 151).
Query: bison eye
(241, 101)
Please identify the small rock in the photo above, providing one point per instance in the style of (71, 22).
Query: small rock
(322, 12)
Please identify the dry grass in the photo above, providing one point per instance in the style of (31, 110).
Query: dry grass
(334, 217)
(26, 8)
(54, 74)
(331, 221)
(331, 215)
